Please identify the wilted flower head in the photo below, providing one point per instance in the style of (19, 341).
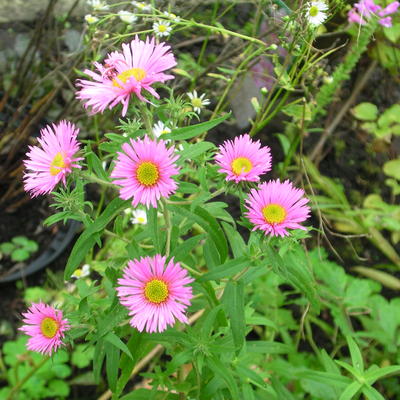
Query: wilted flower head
(46, 326)
(139, 66)
(53, 160)
(277, 206)
(127, 17)
(144, 171)
(155, 293)
(243, 159)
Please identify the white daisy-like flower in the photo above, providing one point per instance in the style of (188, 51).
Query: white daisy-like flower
(142, 6)
(90, 19)
(139, 217)
(172, 16)
(162, 28)
(81, 272)
(127, 17)
(98, 5)
(316, 12)
(198, 102)
(160, 129)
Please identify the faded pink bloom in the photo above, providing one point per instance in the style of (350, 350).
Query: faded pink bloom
(154, 292)
(138, 66)
(243, 159)
(46, 326)
(276, 206)
(365, 9)
(386, 22)
(144, 171)
(50, 163)
(390, 9)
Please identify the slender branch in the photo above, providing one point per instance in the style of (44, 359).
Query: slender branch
(20, 383)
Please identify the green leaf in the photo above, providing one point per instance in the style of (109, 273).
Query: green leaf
(227, 270)
(392, 168)
(191, 131)
(294, 268)
(94, 164)
(20, 255)
(181, 252)
(236, 241)
(98, 358)
(193, 151)
(82, 355)
(7, 248)
(328, 378)
(91, 234)
(380, 276)
(372, 394)
(20, 240)
(225, 374)
(112, 362)
(355, 354)
(372, 376)
(57, 387)
(208, 223)
(117, 342)
(267, 347)
(393, 33)
(366, 111)
(233, 300)
(31, 246)
(351, 391)
(281, 390)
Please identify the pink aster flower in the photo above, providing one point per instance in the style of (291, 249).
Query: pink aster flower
(243, 159)
(276, 206)
(46, 327)
(138, 66)
(144, 170)
(50, 163)
(155, 293)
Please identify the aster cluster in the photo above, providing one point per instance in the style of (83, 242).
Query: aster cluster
(274, 206)
(155, 290)
(366, 9)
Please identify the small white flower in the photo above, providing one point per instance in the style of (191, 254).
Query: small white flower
(316, 14)
(90, 19)
(172, 16)
(142, 6)
(127, 17)
(139, 217)
(98, 5)
(160, 129)
(198, 102)
(128, 210)
(81, 272)
(162, 28)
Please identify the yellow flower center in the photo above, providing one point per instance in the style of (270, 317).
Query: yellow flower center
(162, 28)
(274, 213)
(313, 11)
(197, 103)
(165, 131)
(57, 164)
(156, 291)
(138, 73)
(78, 272)
(142, 220)
(49, 327)
(147, 173)
(240, 165)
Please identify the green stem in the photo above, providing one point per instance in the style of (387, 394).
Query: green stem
(94, 179)
(20, 383)
(168, 227)
(147, 121)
